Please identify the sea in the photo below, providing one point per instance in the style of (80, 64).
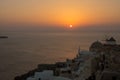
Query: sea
(24, 50)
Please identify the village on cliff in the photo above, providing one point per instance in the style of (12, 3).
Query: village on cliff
(100, 62)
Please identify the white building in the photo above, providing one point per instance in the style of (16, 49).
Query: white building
(84, 70)
(46, 75)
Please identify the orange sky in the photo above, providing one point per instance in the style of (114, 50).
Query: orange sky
(60, 12)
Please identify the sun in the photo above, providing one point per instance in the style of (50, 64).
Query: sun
(71, 26)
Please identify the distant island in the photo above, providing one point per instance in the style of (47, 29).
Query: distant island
(3, 37)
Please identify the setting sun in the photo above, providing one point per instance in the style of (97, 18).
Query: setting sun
(70, 26)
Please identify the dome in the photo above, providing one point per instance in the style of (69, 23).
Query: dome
(96, 45)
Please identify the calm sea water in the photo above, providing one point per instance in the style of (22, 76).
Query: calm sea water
(23, 51)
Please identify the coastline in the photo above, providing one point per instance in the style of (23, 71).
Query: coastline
(40, 68)
(59, 68)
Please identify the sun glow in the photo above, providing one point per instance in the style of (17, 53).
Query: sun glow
(71, 26)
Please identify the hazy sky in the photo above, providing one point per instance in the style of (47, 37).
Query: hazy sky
(60, 12)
